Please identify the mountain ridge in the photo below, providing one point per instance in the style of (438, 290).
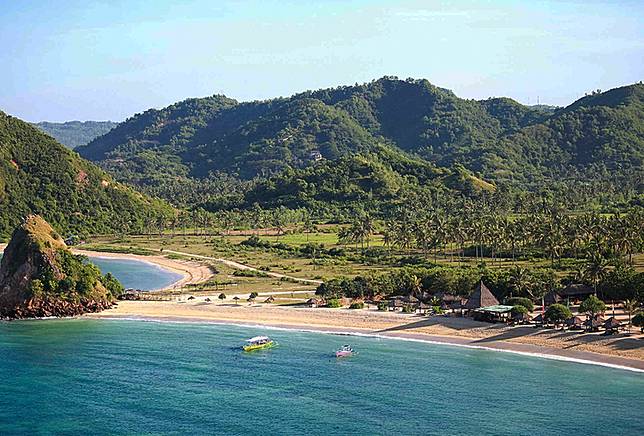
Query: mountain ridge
(497, 140)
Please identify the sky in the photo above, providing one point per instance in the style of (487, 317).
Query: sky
(107, 60)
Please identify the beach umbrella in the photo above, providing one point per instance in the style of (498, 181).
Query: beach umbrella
(612, 323)
(236, 298)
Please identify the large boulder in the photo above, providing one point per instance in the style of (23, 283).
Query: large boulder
(39, 276)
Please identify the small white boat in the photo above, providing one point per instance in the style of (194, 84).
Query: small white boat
(345, 351)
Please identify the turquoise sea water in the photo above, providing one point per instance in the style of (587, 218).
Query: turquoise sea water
(136, 275)
(135, 377)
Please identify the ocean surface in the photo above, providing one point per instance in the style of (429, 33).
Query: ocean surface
(135, 274)
(84, 376)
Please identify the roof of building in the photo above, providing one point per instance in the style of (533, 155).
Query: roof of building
(497, 308)
(576, 290)
(612, 323)
(481, 297)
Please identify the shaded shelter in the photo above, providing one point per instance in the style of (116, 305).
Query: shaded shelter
(481, 297)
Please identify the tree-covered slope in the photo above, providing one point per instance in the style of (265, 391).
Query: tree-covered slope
(498, 139)
(75, 133)
(40, 176)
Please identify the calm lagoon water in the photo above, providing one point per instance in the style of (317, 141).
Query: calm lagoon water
(135, 274)
(117, 377)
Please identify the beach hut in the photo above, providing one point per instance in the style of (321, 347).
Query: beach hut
(495, 313)
(576, 292)
(521, 318)
(538, 320)
(574, 323)
(593, 324)
(396, 303)
(481, 297)
(612, 325)
(551, 297)
(270, 299)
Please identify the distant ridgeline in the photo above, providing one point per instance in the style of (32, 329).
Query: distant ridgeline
(379, 141)
(40, 176)
(75, 133)
(40, 277)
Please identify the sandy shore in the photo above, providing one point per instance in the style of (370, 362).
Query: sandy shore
(191, 272)
(618, 351)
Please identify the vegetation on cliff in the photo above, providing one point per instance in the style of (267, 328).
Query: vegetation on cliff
(40, 176)
(39, 276)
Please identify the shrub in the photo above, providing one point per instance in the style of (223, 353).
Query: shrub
(638, 321)
(519, 309)
(408, 308)
(383, 306)
(249, 273)
(357, 305)
(592, 306)
(557, 313)
(334, 303)
(437, 309)
(521, 301)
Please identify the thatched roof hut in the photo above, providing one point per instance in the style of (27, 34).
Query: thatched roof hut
(551, 298)
(574, 322)
(447, 298)
(191, 298)
(270, 299)
(576, 290)
(313, 302)
(594, 323)
(481, 297)
(612, 323)
(521, 317)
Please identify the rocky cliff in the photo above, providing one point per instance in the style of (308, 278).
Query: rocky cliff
(40, 277)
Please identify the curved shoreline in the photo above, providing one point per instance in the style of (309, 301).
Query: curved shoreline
(191, 272)
(570, 356)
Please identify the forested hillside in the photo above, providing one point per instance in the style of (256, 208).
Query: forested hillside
(40, 176)
(373, 141)
(75, 133)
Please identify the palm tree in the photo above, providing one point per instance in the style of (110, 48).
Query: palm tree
(520, 281)
(596, 269)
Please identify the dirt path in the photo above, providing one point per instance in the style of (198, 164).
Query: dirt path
(237, 265)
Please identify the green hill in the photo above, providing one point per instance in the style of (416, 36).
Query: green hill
(40, 176)
(75, 133)
(203, 147)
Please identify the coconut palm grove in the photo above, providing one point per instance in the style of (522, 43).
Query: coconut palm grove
(321, 217)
